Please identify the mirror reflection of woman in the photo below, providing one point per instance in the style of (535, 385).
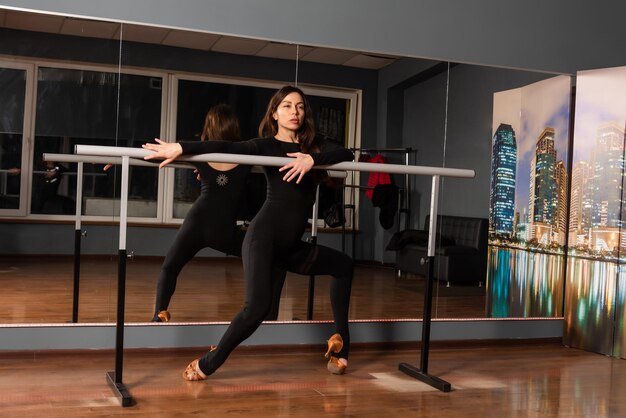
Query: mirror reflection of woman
(212, 220)
(274, 237)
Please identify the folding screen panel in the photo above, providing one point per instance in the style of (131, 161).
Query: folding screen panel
(594, 290)
(528, 200)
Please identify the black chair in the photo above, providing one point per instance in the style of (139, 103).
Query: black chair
(460, 250)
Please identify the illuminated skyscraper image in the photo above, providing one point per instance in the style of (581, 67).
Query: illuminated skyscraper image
(543, 197)
(502, 199)
(561, 202)
(581, 203)
(530, 182)
(607, 176)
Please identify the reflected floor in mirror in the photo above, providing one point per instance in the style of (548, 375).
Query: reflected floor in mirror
(40, 289)
(520, 380)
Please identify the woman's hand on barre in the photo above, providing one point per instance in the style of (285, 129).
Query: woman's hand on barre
(167, 151)
(299, 167)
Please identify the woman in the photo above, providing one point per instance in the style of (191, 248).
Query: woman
(274, 235)
(212, 220)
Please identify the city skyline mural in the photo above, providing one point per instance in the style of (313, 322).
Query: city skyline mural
(529, 200)
(597, 206)
(595, 285)
(529, 190)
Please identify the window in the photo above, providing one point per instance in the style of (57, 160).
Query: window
(92, 105)
(13, 84)
(88, 107)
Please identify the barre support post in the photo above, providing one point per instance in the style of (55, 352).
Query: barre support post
(77, 239)
(115, 378)
(421, 373)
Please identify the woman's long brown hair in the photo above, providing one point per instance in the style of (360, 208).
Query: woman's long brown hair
(306, 133)
(221, 124)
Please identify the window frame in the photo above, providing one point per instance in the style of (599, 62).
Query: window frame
(169, 97)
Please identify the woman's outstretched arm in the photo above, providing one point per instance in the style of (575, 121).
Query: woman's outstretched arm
(170, 151)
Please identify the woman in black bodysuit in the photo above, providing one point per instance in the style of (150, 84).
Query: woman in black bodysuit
(212, 220)
(274, 235)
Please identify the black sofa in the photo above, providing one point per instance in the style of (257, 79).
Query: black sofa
(460, 250)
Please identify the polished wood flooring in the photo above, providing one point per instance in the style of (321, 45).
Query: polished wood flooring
(39, 290)
(523, 380)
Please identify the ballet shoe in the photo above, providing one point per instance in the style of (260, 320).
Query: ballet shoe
(335, 366)
(193, 372)
(164, 316)
(335, 344)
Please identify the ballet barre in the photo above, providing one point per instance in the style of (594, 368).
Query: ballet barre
(134, 156)
(279, 162)
(115, 378)
(436, 173)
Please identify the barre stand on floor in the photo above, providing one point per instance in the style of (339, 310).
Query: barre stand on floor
(421, 373)
(436, 172)
(115, 378)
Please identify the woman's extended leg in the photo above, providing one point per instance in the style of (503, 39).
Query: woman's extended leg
(189, 240)
(257, 258)
(313, 259)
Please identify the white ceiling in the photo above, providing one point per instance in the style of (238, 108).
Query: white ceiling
(187, 39)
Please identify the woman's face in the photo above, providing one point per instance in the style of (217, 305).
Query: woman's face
(289, 114)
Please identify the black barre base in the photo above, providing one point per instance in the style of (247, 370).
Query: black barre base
(433, 381)
(120, 390)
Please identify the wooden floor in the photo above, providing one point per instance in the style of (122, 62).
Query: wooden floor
(525, 380)
(39, 290)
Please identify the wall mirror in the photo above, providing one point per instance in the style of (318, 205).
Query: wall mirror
(68, 81)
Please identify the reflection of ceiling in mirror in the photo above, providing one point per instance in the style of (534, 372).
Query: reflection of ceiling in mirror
(186, 39)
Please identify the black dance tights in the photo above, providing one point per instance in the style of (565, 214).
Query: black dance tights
(306, 259)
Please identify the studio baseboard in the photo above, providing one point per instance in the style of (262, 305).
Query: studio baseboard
(178, 335)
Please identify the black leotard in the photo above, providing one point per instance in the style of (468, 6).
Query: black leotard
(211, 222)
(274, 240)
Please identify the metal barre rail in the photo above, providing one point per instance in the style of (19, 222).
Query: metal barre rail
(139, 161)
(97, 159)
(280, 161)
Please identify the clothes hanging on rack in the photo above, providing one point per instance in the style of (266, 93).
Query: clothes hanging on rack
(382, 191)
(376, 178)
(385, 196)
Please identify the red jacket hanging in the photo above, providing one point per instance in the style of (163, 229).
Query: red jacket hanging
(376, 178)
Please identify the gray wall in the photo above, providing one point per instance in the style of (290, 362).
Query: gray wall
(465, 129)
(558, 35)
